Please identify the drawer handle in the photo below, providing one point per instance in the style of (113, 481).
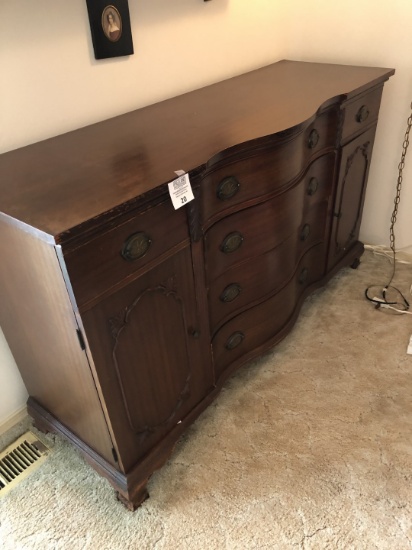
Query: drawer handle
(362, 114)
(230, 293)
(194, 333)
(136, 246)
(313, 139)
(303, 277)
(304, 234)
(227, 188)
(234, 340)
(231, 242)
(313, 186)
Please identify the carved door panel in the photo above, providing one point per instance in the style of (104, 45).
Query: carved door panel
(350, 195)
(146, 346)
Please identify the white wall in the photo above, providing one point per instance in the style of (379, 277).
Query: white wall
(51, 83)
(377, 33)
(13, 393)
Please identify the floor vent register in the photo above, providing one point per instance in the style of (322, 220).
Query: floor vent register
(20, 459)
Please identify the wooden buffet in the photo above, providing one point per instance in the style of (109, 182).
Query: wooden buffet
(126, 316)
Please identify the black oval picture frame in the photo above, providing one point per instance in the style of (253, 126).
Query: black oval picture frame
(117, 41)
(112, 23)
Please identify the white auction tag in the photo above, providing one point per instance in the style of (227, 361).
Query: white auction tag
(181, 191)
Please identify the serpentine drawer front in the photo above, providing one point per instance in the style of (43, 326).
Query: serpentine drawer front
(253, 328)
(126, 316)
(258, 229)
(266, 170)
(257, 277)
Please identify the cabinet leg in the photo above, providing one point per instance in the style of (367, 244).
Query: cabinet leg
(38, 424)
(136, 501)
(355, 264)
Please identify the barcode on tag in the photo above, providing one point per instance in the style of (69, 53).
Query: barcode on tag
(181, 191)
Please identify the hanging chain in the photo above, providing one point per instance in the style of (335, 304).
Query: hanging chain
(401, 166)
(393, 303)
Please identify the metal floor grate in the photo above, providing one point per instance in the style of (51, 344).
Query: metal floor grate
(20, 459)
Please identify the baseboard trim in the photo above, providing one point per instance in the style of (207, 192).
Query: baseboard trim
(13, 419)
(402, 255)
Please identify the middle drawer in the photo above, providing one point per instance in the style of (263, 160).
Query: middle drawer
(254, 231)
(251, 281)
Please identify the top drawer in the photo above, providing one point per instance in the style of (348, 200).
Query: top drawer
(267, 171)
(115, 255)
(360, 113)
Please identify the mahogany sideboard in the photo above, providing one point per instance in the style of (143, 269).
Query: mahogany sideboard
(126, 316)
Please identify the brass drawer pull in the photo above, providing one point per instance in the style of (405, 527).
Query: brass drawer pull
(303, 277)
(362, 114)
(230, 293)
(312, 186)
(136, 246)
(227, 188)
(304, 234)
(234, 340)
(313, 139)
(231, 242)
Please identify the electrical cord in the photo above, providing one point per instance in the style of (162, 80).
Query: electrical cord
(401, 306)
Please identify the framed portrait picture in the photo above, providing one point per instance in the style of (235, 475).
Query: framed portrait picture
(110, 28)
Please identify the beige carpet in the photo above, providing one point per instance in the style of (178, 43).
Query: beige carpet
(308, 448)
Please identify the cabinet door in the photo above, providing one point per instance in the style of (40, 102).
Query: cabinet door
(146, 344)
(350, 195)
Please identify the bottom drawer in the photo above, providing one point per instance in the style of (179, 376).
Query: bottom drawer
(257, 325)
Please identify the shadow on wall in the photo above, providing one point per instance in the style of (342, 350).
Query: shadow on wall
(164, 10)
